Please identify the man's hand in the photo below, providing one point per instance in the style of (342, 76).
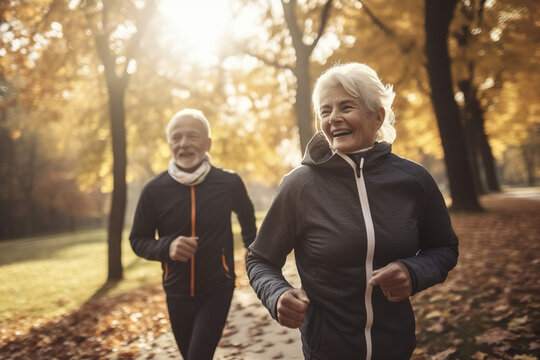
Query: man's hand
(183, 247)
(394, 280)
(291, 308)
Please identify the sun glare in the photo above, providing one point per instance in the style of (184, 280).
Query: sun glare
(199, 25)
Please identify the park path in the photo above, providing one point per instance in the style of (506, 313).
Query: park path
(250, 332)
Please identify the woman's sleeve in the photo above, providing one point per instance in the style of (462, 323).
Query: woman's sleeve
(438, 242)
(143, 232)
(243, 207)
(274, 241)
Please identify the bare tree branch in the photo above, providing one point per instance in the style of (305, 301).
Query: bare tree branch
(102, 40)
(268, 61)
(405, 47)
(289, 12)
(377, 21)
(134, 43)
(325, 15)
(44, 21)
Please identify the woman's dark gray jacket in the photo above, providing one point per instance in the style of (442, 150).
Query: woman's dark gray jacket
(343, 220)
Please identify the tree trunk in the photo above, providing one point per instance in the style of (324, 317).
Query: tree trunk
(479, 144)
(462, 188)
(301, 69)
(7, 173)
(475, 160)
(304, 117)
(471, 138)
(116, 90)
(26, 179)
(116, 86)
(528, 158)
(489, 163)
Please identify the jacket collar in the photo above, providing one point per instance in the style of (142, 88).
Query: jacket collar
(319, 153)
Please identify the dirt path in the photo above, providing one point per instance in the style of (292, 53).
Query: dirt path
(250, 332)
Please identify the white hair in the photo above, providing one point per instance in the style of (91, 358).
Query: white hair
(192, 113)
(362, 82)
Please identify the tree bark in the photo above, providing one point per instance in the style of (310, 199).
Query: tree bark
(438, 16)
(116, 86)
(478, 142)
(485, 171)
(489, 161)
(472, 136)
(528, 159)
(301, 70)
(7, 173)
(116, 90)
(302, 106)
(119, 195)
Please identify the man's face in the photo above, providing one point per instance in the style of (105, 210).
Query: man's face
(189, 142)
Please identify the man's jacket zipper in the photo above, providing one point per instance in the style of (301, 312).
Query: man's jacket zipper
(192, 288)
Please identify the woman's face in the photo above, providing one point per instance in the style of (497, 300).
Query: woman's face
(189, 142)
(347, 124)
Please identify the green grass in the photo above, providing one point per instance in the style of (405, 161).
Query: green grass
(58, 273)
(50, 275)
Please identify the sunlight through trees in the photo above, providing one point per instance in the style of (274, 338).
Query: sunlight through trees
(249, 65)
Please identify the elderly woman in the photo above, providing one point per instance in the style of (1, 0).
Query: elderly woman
(368, 229)
(189, 206)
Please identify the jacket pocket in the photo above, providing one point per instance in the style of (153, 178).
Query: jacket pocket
(312, 328)
(224, 264)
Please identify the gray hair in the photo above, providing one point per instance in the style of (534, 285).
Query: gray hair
(362, 82)
(193, 113)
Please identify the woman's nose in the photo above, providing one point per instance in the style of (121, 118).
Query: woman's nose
(333, 117)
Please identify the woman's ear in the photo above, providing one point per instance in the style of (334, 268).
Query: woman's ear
(381, 113)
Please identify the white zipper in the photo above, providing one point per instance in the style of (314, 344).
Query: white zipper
(370, 232)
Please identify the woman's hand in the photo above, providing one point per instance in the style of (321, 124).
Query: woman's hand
(182, 248)
(291, 308)
(394, 280)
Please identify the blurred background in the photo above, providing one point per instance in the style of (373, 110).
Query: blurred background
(88, 86)
(71, 69)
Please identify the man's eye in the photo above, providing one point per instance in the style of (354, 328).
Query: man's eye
(325, 113)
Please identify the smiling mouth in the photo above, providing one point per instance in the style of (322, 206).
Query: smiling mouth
(339, 133)
(181, 155)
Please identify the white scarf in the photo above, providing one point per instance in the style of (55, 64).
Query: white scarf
(192, 178)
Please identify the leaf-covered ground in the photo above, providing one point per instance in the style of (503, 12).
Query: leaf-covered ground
(489, 308)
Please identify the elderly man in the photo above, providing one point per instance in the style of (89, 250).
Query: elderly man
(189, 207)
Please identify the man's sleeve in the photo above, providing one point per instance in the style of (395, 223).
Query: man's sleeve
(143, 232)
(245, 212)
